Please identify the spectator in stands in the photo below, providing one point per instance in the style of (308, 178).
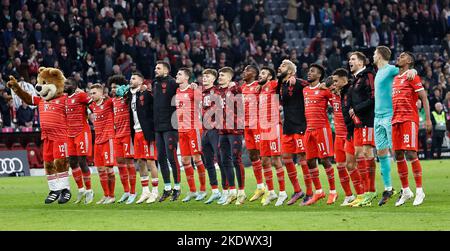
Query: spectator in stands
(423, 136)
(438, 119)
(5, 101)
(436, 97)
(446, 105)
(292, 11)
(25, 116)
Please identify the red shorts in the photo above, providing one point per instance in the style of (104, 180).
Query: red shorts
(404, 136)
(80, 145)
(104, 153)
(339, 149)
(123, 147)
(190, 142)
(252, 139)
(54, 149)
(271, 142)
(142, 149)
(318, 143)
(364, 136)
(293, 143)
(349, 147)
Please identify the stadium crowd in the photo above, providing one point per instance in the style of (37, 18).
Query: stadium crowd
(92, 40)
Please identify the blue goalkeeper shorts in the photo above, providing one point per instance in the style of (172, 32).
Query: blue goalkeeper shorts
(383, 132)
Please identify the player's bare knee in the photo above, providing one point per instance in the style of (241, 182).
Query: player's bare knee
(253, 155)
(186, 160)
(120, 160)
(311, 163)
(399, 155)
(411, 155)
(301, 157)
(326, 162)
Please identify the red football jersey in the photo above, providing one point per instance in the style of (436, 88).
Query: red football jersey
(404, 98)
(251, 99)
(316, 103)
(53, 117)
(121, 117)
(210, 97)
(234, 117)
(76, 113)
(188, 109)
(339, 122)
(103, 120)
(269, 105)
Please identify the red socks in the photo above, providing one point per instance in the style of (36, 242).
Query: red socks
(307, 178)
(330, 176)
(104, 182)
(257, 170)
(344, 179)
(78, 177)
(357, 181)
(190, 177)
(123, 172)
(364, 172)
(268, 175)
(280, 177)
(417, 171)
(370, 163)
(132, 177)
(201, 174)
(292, 174)
(315, 178)
(402, 169)
(87, 179)
(111, 181)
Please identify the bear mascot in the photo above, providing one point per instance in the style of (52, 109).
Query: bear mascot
(53, 119)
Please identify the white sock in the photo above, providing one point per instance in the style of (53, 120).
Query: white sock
(145, 189)
(407, 189)
(177, 187)
(233, 191)
(319, 191)
(259, 186)
(167, 187)
(215, 190)
(333, 191)
(52, 181)
(64, 180)
(283, 193)
(241, 191)
(271, 191)
(388, 188)
(225, 192)
(155, 190)
(81, 190)
(419, 190)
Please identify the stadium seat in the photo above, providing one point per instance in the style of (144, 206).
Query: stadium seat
(34, 156)
(17, 146)
(3, 147)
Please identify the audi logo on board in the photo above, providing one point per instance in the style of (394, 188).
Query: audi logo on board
(10, 165)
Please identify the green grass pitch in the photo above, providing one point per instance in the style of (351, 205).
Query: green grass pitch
(22, 208)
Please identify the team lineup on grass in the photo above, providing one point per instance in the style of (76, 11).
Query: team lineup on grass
(375, 113)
